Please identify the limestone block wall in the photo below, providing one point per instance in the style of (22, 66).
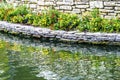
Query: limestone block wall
(108, 9)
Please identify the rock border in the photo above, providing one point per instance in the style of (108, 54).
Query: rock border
(60, 35)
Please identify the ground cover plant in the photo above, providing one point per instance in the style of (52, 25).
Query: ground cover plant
(53, 19)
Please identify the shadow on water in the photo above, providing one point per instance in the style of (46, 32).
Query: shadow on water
(34, 59)
(84, 47)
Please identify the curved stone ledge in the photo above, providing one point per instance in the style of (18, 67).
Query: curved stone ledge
(67, 36)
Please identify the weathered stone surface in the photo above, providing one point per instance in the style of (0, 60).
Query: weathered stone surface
(117, 5)
(33, 1)
(108, 8)
(83, 10)
(82, 6)
(110, 3)
(66, 7)
(58, 34)
(76, 11)
(117, 11)
(103, 13)
(96, 4)
(112, 14)
(33, 6)
(109, 17)
(107, 11)
(41, 3)
(117, 8)
(83, 3)
(68, 1)
(49, 3)
(117, 38)
(65, 2)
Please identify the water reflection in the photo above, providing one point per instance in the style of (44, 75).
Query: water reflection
(20, 60)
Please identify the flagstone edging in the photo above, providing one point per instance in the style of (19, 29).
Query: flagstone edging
(65, 36)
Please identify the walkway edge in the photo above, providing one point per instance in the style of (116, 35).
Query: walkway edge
(65, 36)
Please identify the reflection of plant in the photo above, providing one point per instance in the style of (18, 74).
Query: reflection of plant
(117, 61)
(67, 64)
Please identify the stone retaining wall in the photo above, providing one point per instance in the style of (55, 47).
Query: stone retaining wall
(67, 36)
(109, 9)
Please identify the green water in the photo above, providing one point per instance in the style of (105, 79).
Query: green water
(21, 61)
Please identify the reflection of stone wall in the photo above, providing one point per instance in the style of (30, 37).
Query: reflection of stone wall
(109, 9)
(72, 36)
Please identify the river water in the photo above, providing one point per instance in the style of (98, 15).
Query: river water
(28, 59)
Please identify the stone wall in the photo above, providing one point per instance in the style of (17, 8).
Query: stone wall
(109, 9)
(64, 36)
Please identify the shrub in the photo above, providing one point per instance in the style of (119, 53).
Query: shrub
(4, 9)
(92, 22)
(2, 14)
(20, 12)
(49, 18)
(36, 21)
(67, 21)
(17, 19)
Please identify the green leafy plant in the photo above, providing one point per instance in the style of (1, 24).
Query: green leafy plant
(29, 19)
(67, 21)
(17, 19)
(92, 22)
(4, 9)
(36, 20)
(20, 11)
(53, 19)
(49, 18)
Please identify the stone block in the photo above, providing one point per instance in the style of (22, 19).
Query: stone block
(117, 5)
(49, 3)
(83, 10)
(107, 11)
(83, 3)
(109, 8)
(110, 3)
(17, 1)
(96, 4)
(33, 1)
(103, 13)
(66, 7)
(68, 1)
(89, 9)
(109, 17)
(112, 14)
(117, 38)
(57, 8)
(33, 6)
(117, 12)
(117, 2)
(117, 8)
(67, 11)
(64, 3)
(76, 11)
(82, 6)
(41, 3)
